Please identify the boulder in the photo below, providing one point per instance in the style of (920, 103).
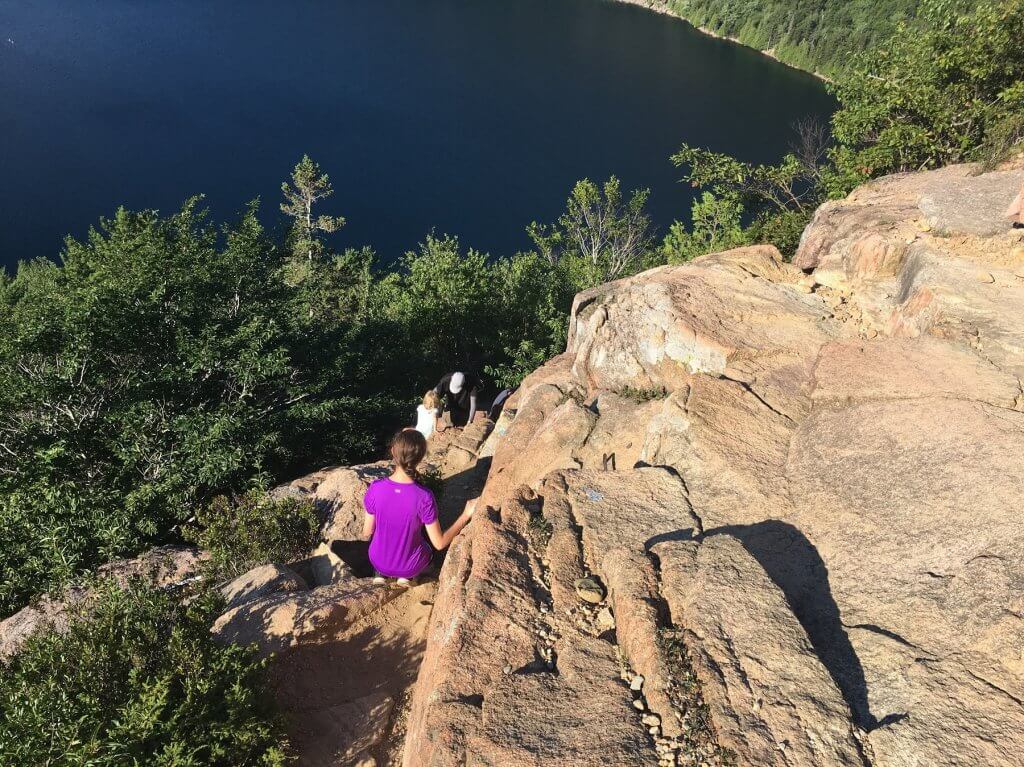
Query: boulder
(260, 582)
(326, 566)
(277, 622)
(339, 497)
(163, 566)
(772, 699)
(346, 733)
(965, 207)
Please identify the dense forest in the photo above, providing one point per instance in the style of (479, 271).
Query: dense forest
(163, 372)
(816, 35)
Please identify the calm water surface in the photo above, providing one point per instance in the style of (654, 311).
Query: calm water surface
(471, 117)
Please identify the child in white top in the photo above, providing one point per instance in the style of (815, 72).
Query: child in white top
(428, 413)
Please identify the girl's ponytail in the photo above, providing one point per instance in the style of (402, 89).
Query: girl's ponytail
(408, 448)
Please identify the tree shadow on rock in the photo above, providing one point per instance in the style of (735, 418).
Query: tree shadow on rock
(794, 565)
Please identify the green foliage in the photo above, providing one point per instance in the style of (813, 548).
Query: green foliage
(947, 87)
(307, 187)
(640, 396)
(945, 90)
(600, 237)
(137, 681)
(717, 224)
(821, 37)
(540, 530)
(161, 364)
(253, 529)
(432, 479)
(535, 297)
(775, 201)
(433, 303)
(685, 693)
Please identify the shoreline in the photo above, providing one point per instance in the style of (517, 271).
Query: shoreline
(659, 6)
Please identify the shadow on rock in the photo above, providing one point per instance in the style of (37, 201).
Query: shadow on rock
(794, 565)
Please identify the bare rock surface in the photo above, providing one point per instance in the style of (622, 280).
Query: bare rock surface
(966, 207)
(281, 621)
(260, 582)
(800, 487)
(162, 566)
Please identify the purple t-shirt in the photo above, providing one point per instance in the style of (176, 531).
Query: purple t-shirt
(398, 548)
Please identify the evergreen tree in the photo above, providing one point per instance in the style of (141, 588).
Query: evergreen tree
(308, 186)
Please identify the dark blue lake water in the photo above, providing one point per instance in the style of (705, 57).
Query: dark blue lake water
(471, 117)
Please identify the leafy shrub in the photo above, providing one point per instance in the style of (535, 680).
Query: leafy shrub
(941, 91)
(643, 395)
(253, 529)
(162, 363)
(431, 479)
(716, 225)
(137, 681)
(540, 530)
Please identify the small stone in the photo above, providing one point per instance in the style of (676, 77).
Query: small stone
(507, 670)
(805, 288)
(986, 277)
(651, 720)
(590, 589)
(654, 730)
(638, 704)
(636, 684)
(872, 333)
(605, 619)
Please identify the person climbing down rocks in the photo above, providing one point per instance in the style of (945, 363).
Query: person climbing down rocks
(398, 509)
(427, 414)
(460, 392)
(1016, 210)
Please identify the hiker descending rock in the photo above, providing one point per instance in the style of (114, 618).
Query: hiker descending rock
(427, 414)
(1016, 210)
(398, 509)
(460, 392)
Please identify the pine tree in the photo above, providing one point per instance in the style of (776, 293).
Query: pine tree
(308, 185)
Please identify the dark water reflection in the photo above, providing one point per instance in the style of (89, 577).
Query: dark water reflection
(469, 116)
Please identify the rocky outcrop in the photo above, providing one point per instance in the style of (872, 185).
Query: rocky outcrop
(346, 649)
(163, 567)
(799, 486)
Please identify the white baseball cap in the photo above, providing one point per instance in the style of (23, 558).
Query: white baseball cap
(457, 382)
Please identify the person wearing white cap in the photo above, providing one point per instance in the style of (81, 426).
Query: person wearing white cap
(459, 392)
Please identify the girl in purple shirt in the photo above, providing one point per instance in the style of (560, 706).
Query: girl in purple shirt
(398, 509)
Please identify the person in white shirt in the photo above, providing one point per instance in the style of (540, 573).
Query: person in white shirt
(428, 413)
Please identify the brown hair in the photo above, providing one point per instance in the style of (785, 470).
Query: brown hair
(407, 449)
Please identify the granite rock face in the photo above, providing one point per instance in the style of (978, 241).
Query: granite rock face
(163, 567)
(800, 485)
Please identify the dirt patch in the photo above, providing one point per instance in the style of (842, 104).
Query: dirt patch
(345, 699)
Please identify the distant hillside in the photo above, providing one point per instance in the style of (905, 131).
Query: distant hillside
(816, 35)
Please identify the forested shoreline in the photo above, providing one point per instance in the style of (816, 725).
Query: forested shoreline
(820, 38)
